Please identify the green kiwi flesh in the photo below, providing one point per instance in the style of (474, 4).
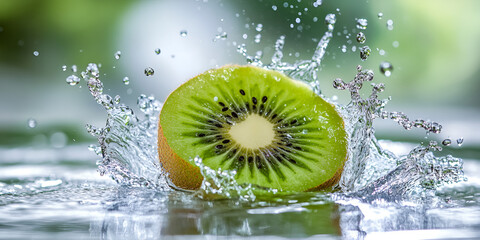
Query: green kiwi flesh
(273, 131)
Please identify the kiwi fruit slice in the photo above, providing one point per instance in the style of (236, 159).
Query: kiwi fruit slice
(273, 131)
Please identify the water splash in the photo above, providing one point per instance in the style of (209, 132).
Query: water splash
(129, 155)
(127, 144)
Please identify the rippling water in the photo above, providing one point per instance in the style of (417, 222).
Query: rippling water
(58, 194)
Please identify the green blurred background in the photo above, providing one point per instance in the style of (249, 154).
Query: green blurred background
(435, 77)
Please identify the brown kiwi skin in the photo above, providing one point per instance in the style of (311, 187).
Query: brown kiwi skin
(185, 175)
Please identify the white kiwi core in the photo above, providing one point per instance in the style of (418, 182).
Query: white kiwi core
(254, 132)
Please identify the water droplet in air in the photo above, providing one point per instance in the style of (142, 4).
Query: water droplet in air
(117, 55)
(317, 3)
(361, 38)
(149, 71)
(381, 52)
(362, 23)
(365, 52)
(386, 68)
(344, 48)
(64, 68)
(297, 20)
(274, 8)
(126, 80)
(31, 123)
(36, 53)
(339, 84)
(259, 27)
(446, 142)
(221, 36)
(395, 44)
(330, 18)
(315, 19)
(460, 141)
(390, 24)
(73, 80)
(380, 15)
(74, 68)
(258, 38)
(183, 33)
(158, 51)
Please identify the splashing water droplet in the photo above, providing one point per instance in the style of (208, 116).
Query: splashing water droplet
(380, 15)
(158, 51)
(31, 123)
(72, 80)
(365, 52)
(386, 68)
(36, 53)
(390, 24)
(460, 141)
(330, 20)
(64, 68)
(258, 38)
(446, 142)
(221, 36)
(117, 55)
(149, 71)
(362, 23)
(126, 80)
(361, 38)
(183, 33)
(259, 27)
(74, 68)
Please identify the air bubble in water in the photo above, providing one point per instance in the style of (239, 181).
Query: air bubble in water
(183, 33)
(395, 44)
(36, 53)
(315, 19)
(390, 24)
(31, 123)
(380, 15)
(149, 71)
(386, 68)
(317, 3)
(117, 55)
(64, 68)
(344, 48)
(126, 80)
(73, 80)
(460, 141)
(158, 51)
(274, 8)
(446, 142)
(362, 23)
(361, 38)
(259, 27)
(365, 52)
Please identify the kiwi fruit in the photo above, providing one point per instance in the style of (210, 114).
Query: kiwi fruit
(273, 131)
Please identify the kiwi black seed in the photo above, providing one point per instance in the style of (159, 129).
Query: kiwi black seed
(301, 142)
